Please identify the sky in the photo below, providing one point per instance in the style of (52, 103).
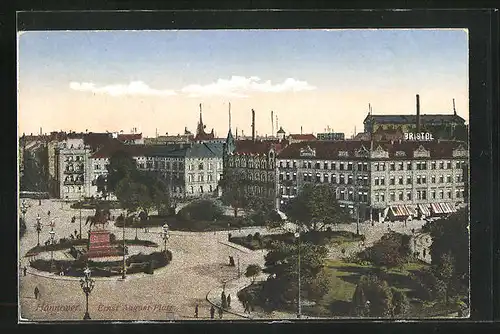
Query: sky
(315, 79)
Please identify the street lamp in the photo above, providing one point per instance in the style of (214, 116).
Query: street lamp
(38, 227)
(165, 235)
(80, 205)
(124, 271)
(368, 307)
(299, 306)
(87, 285)
(52, 234)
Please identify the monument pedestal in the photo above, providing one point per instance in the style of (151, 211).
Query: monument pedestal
(100, 245)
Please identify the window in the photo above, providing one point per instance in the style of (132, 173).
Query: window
(408, 196)
(457, 178)
(448, 178)
(433, 165)
(281, 177)
(309, 164)
(393, 197)
(418, 165)
(400, 196)
(351, 195)
(441, 179)
(457, 193)
(342, 179)
(400, 166)
(441, 194)
(192, 190)
(457, 164)
(424, 180)
(288, 176)
(376, 167)
(392, 166)
(419, 195)
(96, 167)
(449, 193)
(377, 198)
(305, 177)
(382, 197)
(400, 180)
(190, 177)
(392, 181)
(418, 179)
(334, 166)
(433, 194)
(294, 164)
(441, 165)
(294, 178)
(433, 179)
(317, 165)
(360, 166)
(349, 166)
(365, 166)
(424, 165)
(408, 165)
(334, 178)
(201, 189)
(304, 164)
(408, 180)
(209, 178)
(342, 195)
(200, 177)
(318, 178)
(376, 182)
(325, 165)
(288, 164)
(325, 178)
(349, 179)
(448, 165)
(424, 194)
(382, 181)
(382, 166)
(281, 164)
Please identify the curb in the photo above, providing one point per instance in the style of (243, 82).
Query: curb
(226, 310)
(237, 247)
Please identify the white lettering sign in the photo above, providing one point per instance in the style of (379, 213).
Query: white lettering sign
(421, 136)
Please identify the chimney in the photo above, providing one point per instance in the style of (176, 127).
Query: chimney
(301, 129)
(418, 113)
(272, 123)
(454, 110)
(253, 125)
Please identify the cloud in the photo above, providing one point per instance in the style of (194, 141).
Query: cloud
(133, 88)
(238, 86)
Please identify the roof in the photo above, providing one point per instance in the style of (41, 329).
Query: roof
(258, 146)
(412, 119)
(116, 146)
(307, 136)
(195, 150)
(281, 130)
(129, 136)
(330, 150)
(95, 140)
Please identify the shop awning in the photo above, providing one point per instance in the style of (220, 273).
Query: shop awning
(436, 208)
(412, 211)
(424, 208)
(399, 210)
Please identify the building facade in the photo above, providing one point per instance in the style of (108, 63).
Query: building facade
(379, 179)
(331, 136)
(73, 169)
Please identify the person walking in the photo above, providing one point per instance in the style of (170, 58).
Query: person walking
(425, 253)
(220, 313)
(228, 301)
(196, 311)
(24, 271)
(212, 312)
(37, 292)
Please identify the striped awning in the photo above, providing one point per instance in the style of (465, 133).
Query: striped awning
(448, 207)
(400, 210)
(424, 208)
(436, 208)
(412, 211)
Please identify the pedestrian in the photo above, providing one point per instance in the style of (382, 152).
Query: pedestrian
(196, 311)
(247, 307)
(424, 253)
(220, 313)
(228, 301)
(24, 271)
(212, 312)
(39, 202)
(37, 292)
(48, 213)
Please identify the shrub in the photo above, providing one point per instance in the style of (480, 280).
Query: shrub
(400, 302)
(257, 236)
(249, 238)
(204, 210)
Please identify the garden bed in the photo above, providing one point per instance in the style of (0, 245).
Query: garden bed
(258, 241)
(139, 263)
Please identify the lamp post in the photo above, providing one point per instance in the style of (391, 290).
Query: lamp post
(299, 306)
(124, 271)
(165, 235)
(38, 227)
(368, 307)
(52, 234)
(136, 221)
(80, 205)
(87, 285)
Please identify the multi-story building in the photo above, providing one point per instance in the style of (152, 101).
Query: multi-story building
(297, 138)
(379, 179)
(191, 170)
(250, 165)
(73, 169)
(130, 138)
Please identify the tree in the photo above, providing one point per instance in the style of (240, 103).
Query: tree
(315, 207)
(201, 210)
(400, 303)
(450, 252)
(132, 195)
(282, 267)
(121, 166)
(392, 250)
(374, 296)
(101, 184)
(253, 270)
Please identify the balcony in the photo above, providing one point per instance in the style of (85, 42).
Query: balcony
(73, 183)
(75, 171)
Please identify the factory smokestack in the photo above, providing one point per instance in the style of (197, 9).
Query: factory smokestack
(418, 113)
(253, 125)
(454, 110)
(301, 129)
(272, 123)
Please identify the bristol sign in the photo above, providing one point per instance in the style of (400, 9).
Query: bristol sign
(419, 136)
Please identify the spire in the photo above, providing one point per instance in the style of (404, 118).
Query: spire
(229, 116)
(454, 110)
